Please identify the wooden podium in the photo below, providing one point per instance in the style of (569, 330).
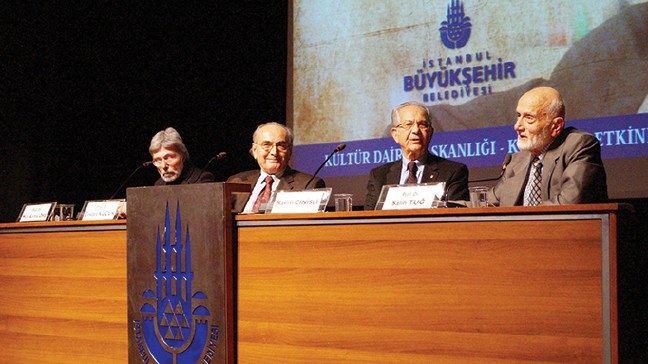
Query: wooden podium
(180, 273)
(487, 285)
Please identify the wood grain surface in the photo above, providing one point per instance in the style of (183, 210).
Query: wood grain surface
(450, 292)
(64, 296)
(347, 291)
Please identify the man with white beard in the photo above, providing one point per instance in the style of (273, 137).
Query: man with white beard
(171, 158)
(555, 165)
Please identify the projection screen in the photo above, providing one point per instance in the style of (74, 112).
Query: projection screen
(469, 61)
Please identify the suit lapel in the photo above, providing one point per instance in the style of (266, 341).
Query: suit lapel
(548, 167)
(253, 178)
(394, 173)
(286, 182)
(430, 171)
(517, 180)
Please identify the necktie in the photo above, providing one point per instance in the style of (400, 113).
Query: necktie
(534, 185)
(264, 196)
(411, 167)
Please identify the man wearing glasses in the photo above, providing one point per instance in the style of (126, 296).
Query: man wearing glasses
(272, 148)
(412, 129)
(171, 158)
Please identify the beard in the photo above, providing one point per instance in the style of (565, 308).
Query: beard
(537, 142)
(170, 177)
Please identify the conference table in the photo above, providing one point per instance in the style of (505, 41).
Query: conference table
(508, 284)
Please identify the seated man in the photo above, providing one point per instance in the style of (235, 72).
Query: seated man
(272, 148)
(555, 165)
(411, 128)
(171, 158)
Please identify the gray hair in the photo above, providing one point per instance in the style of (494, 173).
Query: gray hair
(169, 138)
(556, 108)
(395, 117)
(289, 133)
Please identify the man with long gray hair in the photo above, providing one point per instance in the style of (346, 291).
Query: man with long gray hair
(171, 158)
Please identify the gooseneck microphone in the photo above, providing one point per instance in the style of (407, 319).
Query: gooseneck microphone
(217, 157)
(507, 160)
(143, 165)
(337, 149)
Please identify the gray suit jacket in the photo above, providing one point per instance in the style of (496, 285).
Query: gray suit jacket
(290, 180)
(437, 169)
(572, 173)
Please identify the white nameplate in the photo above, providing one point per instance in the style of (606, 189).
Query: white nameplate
(37, 212)
(101, 210)
(404, 197)
(307, 201)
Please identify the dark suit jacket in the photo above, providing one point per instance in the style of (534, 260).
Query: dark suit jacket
(572, 173)
(290, 180)
(190, 174)
(437, 169)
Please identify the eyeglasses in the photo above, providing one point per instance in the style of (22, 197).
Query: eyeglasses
(423, 125)
(267, 146)
(167, 159)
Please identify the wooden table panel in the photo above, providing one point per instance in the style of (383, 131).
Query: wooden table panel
(449, 291)
(343, 288)
(64, 293)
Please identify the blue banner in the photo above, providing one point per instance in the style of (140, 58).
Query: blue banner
(620, 136)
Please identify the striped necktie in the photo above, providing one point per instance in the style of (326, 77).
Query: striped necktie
(534, 198)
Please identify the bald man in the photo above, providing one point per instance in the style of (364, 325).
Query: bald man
(555, 165)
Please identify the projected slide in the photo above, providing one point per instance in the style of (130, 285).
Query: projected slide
(469, 62)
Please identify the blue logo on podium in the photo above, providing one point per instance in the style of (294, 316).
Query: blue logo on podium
(455, 30)
(175, 323)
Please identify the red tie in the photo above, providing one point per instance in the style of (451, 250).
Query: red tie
(264, 196)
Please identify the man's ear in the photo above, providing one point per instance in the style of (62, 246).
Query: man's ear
(557, 126)
(289, 154)
(394, 134)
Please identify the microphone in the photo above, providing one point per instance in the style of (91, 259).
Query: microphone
(143, 165)
(217, 157)
(507, 160)
(337, 149)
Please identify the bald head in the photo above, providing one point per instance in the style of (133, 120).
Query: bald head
(540, 119)
(547, 101)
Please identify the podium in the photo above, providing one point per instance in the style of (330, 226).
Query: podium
(180, 273)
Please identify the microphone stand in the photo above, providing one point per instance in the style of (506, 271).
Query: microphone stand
(337, 149)
(143, 165)
(218, 156)
(507, 160)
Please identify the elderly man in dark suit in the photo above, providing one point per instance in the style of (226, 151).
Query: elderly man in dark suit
(272, 148)
(411, 128)
(555, 165)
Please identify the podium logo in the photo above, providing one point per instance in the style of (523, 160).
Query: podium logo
(175, 323)
(455, 30)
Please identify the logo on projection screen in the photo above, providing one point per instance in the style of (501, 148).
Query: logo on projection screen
(455, 30)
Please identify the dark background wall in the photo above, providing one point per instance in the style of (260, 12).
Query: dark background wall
(85, 85)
